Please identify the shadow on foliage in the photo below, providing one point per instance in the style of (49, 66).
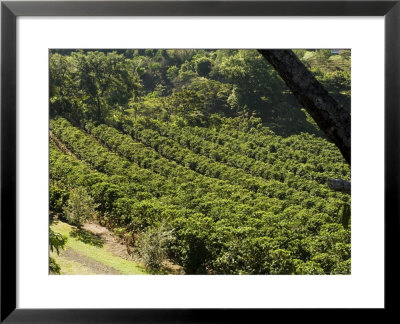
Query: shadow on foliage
(87, 237)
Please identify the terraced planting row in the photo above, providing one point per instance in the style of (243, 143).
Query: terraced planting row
(218, 226)
(268, 188)
(296, 176)
(261, 144)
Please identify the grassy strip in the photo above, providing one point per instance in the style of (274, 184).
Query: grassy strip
(70, 267)
(99, 254)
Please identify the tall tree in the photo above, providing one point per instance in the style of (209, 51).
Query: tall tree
(107, 81)
(91, 85)
(333, 120)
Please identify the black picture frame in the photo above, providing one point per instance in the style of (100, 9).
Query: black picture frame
(10, 10)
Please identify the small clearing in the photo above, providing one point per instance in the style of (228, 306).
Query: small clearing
(93, 249)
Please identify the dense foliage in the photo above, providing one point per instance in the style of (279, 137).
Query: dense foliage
(191, 85)
(56, 242)
(179, 150)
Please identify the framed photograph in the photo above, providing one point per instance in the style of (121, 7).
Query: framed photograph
(189, 161)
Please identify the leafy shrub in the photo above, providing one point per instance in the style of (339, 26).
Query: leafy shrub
(152, 246)
(58, 198)
(80, 207)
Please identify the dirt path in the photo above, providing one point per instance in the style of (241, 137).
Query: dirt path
(111, 242)
(95, 266)
(116, 256)
(117, 248)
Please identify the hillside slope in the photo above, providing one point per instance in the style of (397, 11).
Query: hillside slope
(223, 201)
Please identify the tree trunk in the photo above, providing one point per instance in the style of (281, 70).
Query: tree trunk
(98, 112)
(333, 120)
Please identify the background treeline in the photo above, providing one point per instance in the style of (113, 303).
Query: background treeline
(203, 157)
(191, 85)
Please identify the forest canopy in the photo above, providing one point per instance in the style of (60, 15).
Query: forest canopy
(190, 84)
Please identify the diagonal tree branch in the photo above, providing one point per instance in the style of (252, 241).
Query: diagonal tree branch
(333, 120)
